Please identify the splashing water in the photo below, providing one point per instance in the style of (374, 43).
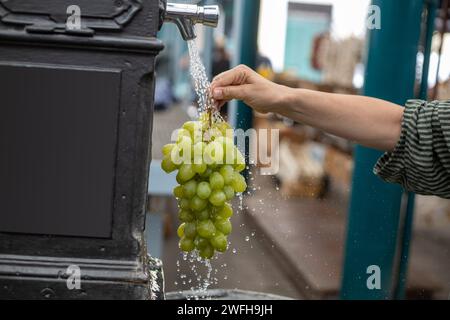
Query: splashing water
(203, 276)
(200, 79)
(202, 85)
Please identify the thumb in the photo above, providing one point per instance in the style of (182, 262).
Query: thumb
(231, 92)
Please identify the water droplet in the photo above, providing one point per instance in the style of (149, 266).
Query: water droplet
(47, 293)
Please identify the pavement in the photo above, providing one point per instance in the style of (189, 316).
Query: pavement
(309, 240)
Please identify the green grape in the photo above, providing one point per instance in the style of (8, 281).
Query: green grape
(224, 212)
(227, 173)
(190, 126)
(240, 161)
(207, 252)
(200, 168)
(239, 185)
(213, 134)
(195, 129)
(183, 151)
(200, 243)
(230, 151)
(186, 216)
(185, 173)
(240, 167)
(167, 149)
(206, 229)
(167, 165)
(229, 192)
(185, 143)
(213, 212)
(178, 192)
(198, 204)
(176, 155)
(207, 173)
(213, 153)
(213, 167)
(217, 198)
(182, 133)
(197, 135)
(234, 156)
(186, 244)
(202, 215)
(219, 242)
(198, 151)
(190, 189)
(203, 190)
(216, 181)
(180, 230)
(190, 230)
(184, 204)
(224, 226)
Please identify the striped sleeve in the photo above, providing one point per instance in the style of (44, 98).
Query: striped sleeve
(421, 160)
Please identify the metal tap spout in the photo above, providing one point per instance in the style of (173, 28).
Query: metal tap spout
(186, 16)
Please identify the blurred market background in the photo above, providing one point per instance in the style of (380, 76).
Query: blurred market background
(289, 238)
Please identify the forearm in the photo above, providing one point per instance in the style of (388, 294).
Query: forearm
(367, 121)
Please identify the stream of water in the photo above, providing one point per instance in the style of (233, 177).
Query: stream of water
(200, 79)
(201, 83)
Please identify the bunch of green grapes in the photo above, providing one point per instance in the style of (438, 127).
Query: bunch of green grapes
(209, 167)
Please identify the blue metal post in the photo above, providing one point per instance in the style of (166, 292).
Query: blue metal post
(372, 233)
(246, 24)
(400, 290)
(432, 6)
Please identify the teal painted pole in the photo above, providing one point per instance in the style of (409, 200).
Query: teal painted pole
(374, 214)
(400, 290)
(246, 23)
(432, 6)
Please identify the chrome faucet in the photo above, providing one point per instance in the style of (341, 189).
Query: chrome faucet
(186, 16)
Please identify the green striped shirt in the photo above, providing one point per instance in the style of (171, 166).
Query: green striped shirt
(421, 160)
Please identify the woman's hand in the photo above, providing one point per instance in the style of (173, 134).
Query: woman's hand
(244, 84)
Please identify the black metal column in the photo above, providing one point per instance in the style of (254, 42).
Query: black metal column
(76, 118)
